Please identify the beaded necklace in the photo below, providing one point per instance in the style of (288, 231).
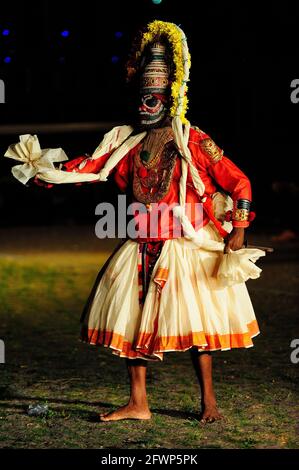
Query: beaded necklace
(154, 144)
(152, 184)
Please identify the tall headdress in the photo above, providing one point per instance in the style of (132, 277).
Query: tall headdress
(155, 76)
(180, 59)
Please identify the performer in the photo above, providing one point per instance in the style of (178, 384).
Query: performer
(164, 291)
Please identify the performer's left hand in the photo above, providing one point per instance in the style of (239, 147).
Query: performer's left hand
(234, 240)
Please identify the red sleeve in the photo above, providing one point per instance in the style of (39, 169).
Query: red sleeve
(82, 164)
(229, 176)
(121, 171)
(233, 180)
(85, 164)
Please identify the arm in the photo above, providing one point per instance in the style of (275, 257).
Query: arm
(82, 164)
(40, 163)
(233, 180)
(227, 175)
(89, 165)
(108, 157)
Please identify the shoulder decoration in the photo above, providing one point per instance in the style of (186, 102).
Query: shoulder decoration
(211, 150)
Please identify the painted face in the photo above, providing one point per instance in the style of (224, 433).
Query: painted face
(152, 110)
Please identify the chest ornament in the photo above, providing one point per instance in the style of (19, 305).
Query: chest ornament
(151, 181)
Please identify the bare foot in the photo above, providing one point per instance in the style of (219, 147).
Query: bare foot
(126, 412)
(210, 413)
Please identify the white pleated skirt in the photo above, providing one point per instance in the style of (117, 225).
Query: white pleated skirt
(185, 306)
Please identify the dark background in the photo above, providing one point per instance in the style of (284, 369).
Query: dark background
(244, 57)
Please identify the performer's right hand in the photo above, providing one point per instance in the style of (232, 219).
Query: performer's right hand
(39, 182)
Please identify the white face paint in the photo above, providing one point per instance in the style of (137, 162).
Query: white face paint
(151, 111)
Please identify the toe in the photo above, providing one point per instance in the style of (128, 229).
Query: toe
(103, 418)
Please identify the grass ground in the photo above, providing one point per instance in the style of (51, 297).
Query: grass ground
(42, 291)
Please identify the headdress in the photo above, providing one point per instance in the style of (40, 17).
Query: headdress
(180, 61)
(154, 78)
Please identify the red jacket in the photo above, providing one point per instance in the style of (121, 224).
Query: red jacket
(214, 168)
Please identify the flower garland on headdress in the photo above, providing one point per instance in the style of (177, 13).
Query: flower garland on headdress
(181, 60)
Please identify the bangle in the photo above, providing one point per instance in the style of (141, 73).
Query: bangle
(241, 210)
